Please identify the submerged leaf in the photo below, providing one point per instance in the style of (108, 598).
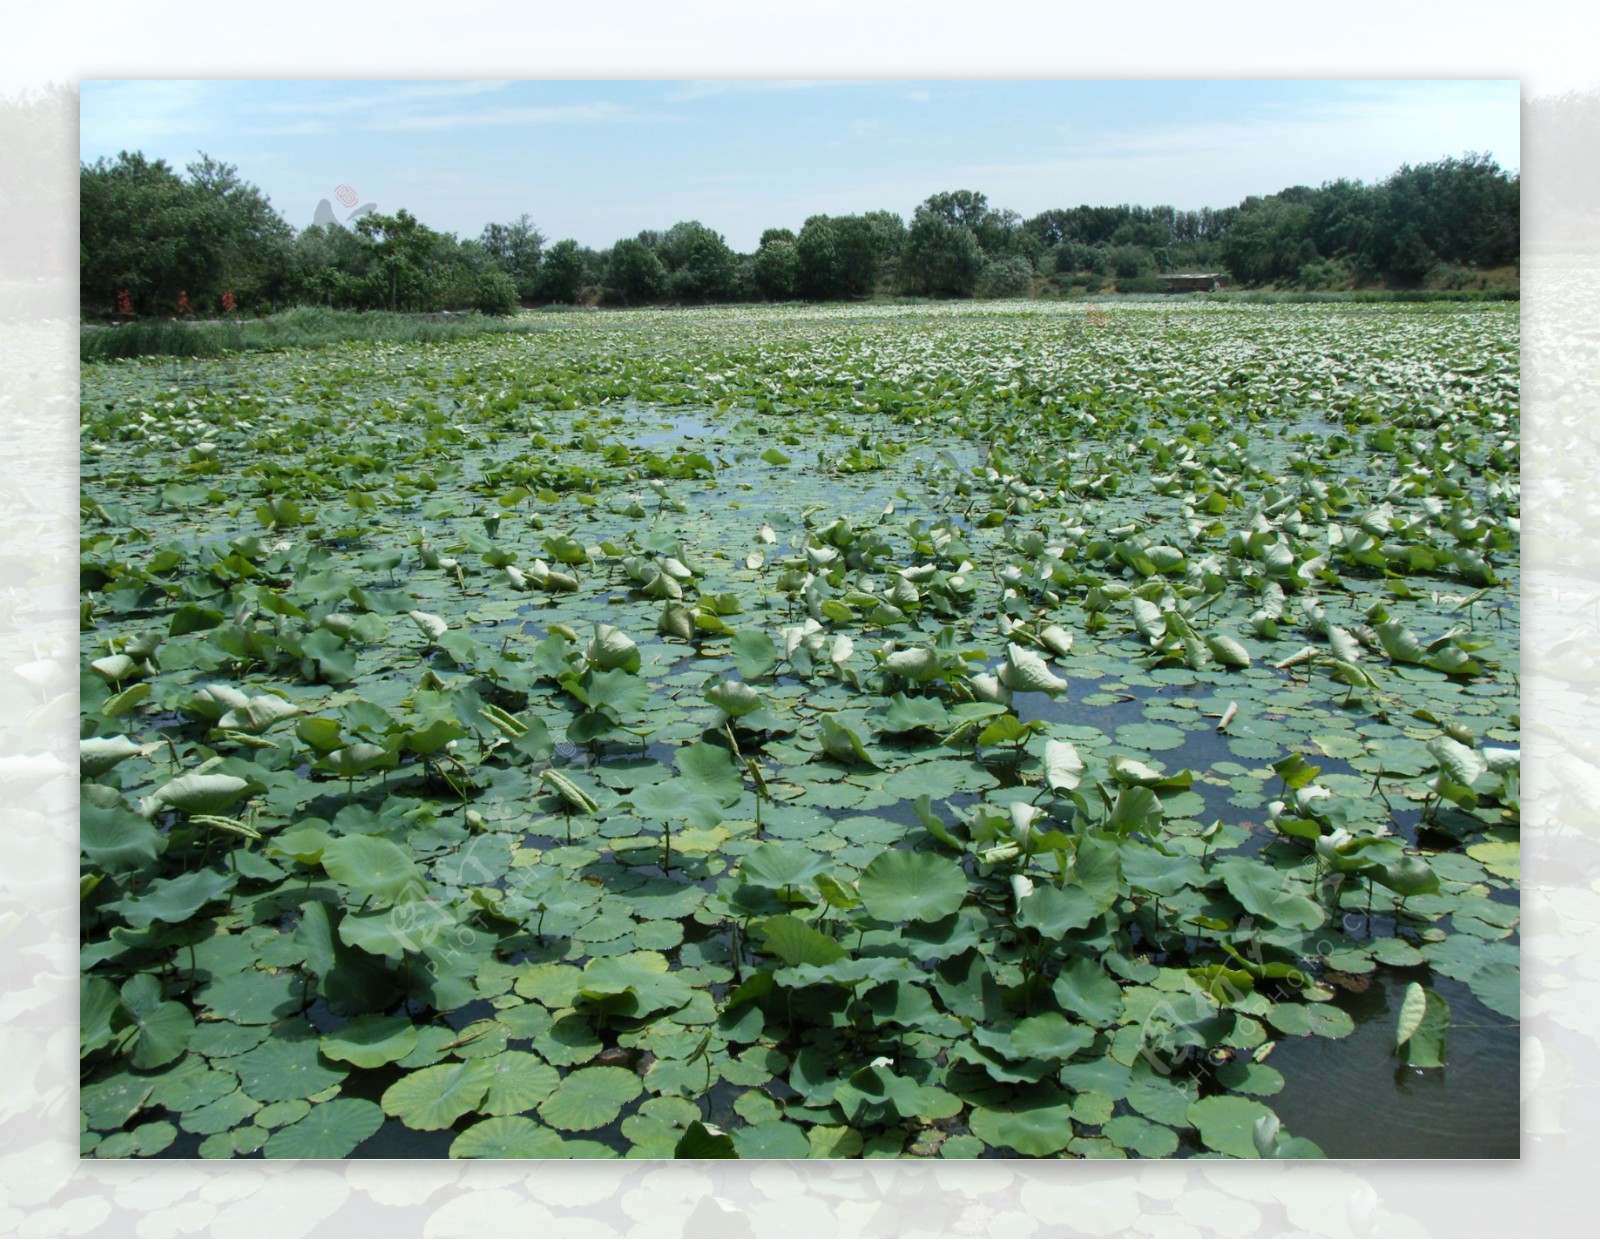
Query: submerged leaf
(1420, 1031)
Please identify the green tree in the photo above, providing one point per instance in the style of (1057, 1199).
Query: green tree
(821, 276)
(941, 258)
(1411, 258)
(888, 241)
(1000, 232)
(636, 272)
(516, 247)
(776, 270)
(401, 249)
(249, 239)
(561, 273)
(329, 265)
(699, 264)
(1344, 220)
(145, 229)
(960, 207)
(1130, 261)
(136, 222)
(1270, 241)
(1461, 210)
(481, 284)
(866, 244)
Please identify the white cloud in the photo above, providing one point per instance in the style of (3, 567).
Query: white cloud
(1367, 134)
(129, 115)
(724, 86)
(398, 95)
(492, 117)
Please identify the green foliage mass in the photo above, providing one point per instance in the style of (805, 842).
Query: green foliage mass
(174, 245)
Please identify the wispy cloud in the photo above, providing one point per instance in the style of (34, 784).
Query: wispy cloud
(399, 95)
(726, 86)
(132, 114)
(1368, 109)
(433, 107)
(556, 114)
(1366, 134)
(404, 120)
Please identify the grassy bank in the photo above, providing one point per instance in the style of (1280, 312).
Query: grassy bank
(303, 327)
(1362, 296)
(312, 327)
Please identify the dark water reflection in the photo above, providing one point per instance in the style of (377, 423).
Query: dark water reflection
(1355, 1100)
(1351, 1095)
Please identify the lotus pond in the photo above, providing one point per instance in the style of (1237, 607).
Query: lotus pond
(884, 732)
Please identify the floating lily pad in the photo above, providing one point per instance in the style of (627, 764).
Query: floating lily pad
(901, 886)
(1139, 1136)
(1227, 1125)
(331, 1130)
(510, 1136)
(1300, 1019)
(436, 1097)
(773, 1139)
(1038, 1127)
(284, 1067)
(371, 1041)
(589, 1098)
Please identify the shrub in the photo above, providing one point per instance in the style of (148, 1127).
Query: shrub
(1323, 273)
(496, 293)
(1453, 276)
(1006, 277)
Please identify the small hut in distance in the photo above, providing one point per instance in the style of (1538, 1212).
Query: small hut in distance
(1195, 281)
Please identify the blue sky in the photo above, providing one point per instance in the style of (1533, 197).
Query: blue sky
(600, 160)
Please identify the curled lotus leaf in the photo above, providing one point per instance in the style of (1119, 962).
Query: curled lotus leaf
(208, 792)
(917, 664)
(429, 625)
(612, 648)
(1025, 672)
(733, 698)
(97, 755)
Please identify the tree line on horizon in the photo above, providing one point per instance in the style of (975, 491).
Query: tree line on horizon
(154, 242)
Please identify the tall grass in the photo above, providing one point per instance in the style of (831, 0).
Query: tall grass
(303, 327)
